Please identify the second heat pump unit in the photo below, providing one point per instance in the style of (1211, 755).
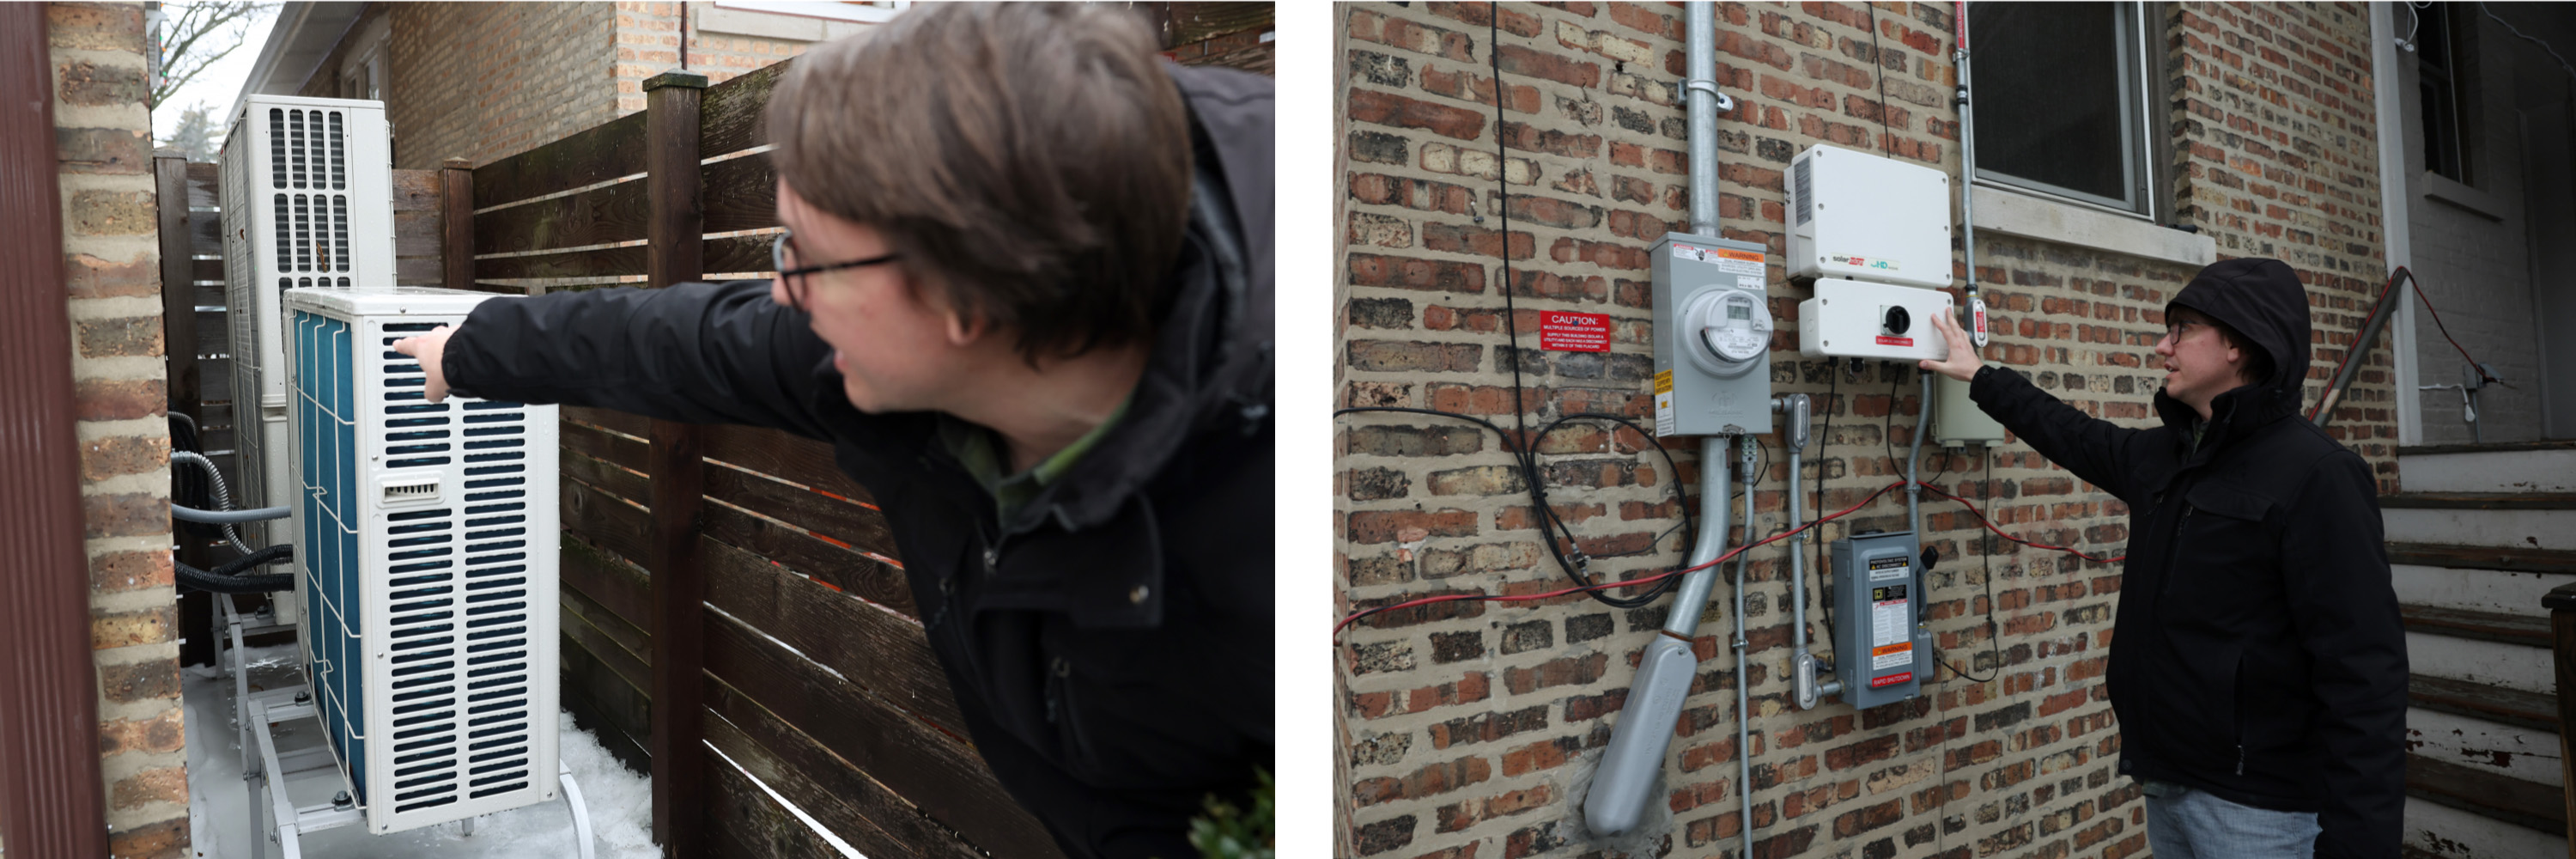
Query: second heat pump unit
(307, 202)
(426, 539)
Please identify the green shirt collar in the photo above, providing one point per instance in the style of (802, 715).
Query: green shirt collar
(979, 449)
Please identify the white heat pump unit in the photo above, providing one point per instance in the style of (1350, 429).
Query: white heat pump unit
(425, 545)
(307, 202)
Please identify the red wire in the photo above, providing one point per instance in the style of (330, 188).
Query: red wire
(2357, 346)
(1972, 508)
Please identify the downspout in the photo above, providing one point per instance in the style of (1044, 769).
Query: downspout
(2395, 218)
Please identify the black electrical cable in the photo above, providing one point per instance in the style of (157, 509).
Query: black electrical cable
(226, 578)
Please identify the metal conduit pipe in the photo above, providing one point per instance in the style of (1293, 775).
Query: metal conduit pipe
(1802, 663)
(1743, 691)
(214, 477)
(1914, 487)
(1621, 787)
(1976, 304)
(1703, 103)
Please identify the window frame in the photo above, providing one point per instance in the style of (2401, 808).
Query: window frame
(2453, 81)
(2149, 151)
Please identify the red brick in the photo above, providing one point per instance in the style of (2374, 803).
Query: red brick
(1380, 108)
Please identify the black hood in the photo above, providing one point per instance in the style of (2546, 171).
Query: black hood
(2263, 300)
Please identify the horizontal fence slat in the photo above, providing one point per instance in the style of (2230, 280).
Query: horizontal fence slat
(416, 234)
(855, 574)
(419, 271)
(596, 262)
(744, 823)
(730, 114)
(628, 665)
(616, 449)
(629, 423)
(862, 527)
(741, 194)
(206, 235)
(595, 154)
(607, 477)
(856, 808)
(416, 191)
(938, 773)
(606, 522)
(739, 254)
(879, 649)
(205, 185)
(783, 455)
(610, 213)
(617, 713)
(616, 584)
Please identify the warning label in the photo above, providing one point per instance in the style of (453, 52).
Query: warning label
(1665, 421)
(1890, 680)
(1885, 340)
(1739, 262)
(1891, 656)
(1574, 332)
(1890, 569)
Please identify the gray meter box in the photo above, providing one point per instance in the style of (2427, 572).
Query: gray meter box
(1712, 337)
(1881, 654)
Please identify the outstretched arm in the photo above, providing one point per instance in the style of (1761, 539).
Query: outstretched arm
(2095, 449)
(695, 352)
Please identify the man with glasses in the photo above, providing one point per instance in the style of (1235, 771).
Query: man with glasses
(1024, 288)
(2258, 664)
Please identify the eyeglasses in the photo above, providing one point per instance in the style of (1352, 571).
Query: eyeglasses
(2181, 328)
(781, 254)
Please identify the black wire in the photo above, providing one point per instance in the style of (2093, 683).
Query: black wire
(1994, 642)
(1879, 59)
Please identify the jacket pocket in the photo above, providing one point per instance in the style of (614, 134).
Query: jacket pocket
(2225, 562)
(2199, 722)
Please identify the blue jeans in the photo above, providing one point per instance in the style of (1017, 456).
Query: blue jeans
(2183, 823)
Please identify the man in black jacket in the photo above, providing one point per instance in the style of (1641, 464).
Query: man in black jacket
(2258, 665)
(1026, 293)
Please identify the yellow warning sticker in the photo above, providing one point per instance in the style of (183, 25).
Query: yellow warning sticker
(1664, 382)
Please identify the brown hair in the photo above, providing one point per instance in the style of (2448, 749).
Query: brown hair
(1030, 161)
(2258, 362)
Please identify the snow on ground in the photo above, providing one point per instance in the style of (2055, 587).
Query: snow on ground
(620, 801)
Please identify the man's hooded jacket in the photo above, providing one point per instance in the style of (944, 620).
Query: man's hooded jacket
(1110, 643)
(2257, 652)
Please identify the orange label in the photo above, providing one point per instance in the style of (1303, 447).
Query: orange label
(1892, 648)
(1739, 256)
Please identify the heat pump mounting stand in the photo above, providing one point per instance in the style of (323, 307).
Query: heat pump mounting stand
(266, 769)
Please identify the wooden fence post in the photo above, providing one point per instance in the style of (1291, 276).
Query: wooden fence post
(179, 350)
(456, 224)
(2561, 603)
(675, 253)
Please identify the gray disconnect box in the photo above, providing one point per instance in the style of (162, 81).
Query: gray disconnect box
(1881, 654)
(1712, 337)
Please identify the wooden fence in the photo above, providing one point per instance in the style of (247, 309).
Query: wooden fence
(731, 602)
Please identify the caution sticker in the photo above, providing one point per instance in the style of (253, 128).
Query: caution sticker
(1890, 680)
(1666, 421)
(1891, 656)
(1890, 569)
(1740, 262)
(1885, 340)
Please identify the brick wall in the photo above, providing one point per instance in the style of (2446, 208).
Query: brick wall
(484, 81)
(113, 262)
(1471, 730)
(2277, 131)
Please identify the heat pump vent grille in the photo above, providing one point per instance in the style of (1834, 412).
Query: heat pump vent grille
(454, 553)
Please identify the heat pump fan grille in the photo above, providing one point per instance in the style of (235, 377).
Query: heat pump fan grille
(457, 645)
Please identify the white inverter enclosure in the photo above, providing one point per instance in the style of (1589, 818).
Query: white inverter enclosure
(1859, 216)
(307, 202)
(426, 539)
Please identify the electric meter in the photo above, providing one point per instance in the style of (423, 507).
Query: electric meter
(1733, 328)
(1713, 331)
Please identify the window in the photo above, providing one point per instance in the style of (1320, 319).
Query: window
(2438, 82)
(2062, 93)
(362, 71)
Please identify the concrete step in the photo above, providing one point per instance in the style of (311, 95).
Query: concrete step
(2475, 590)
(2487, 793)
(2436, 831)
(2486, 663)
(2524, 629)
(2498, 704)
(2545, 466)
(2497, 519)
(2521, 753)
